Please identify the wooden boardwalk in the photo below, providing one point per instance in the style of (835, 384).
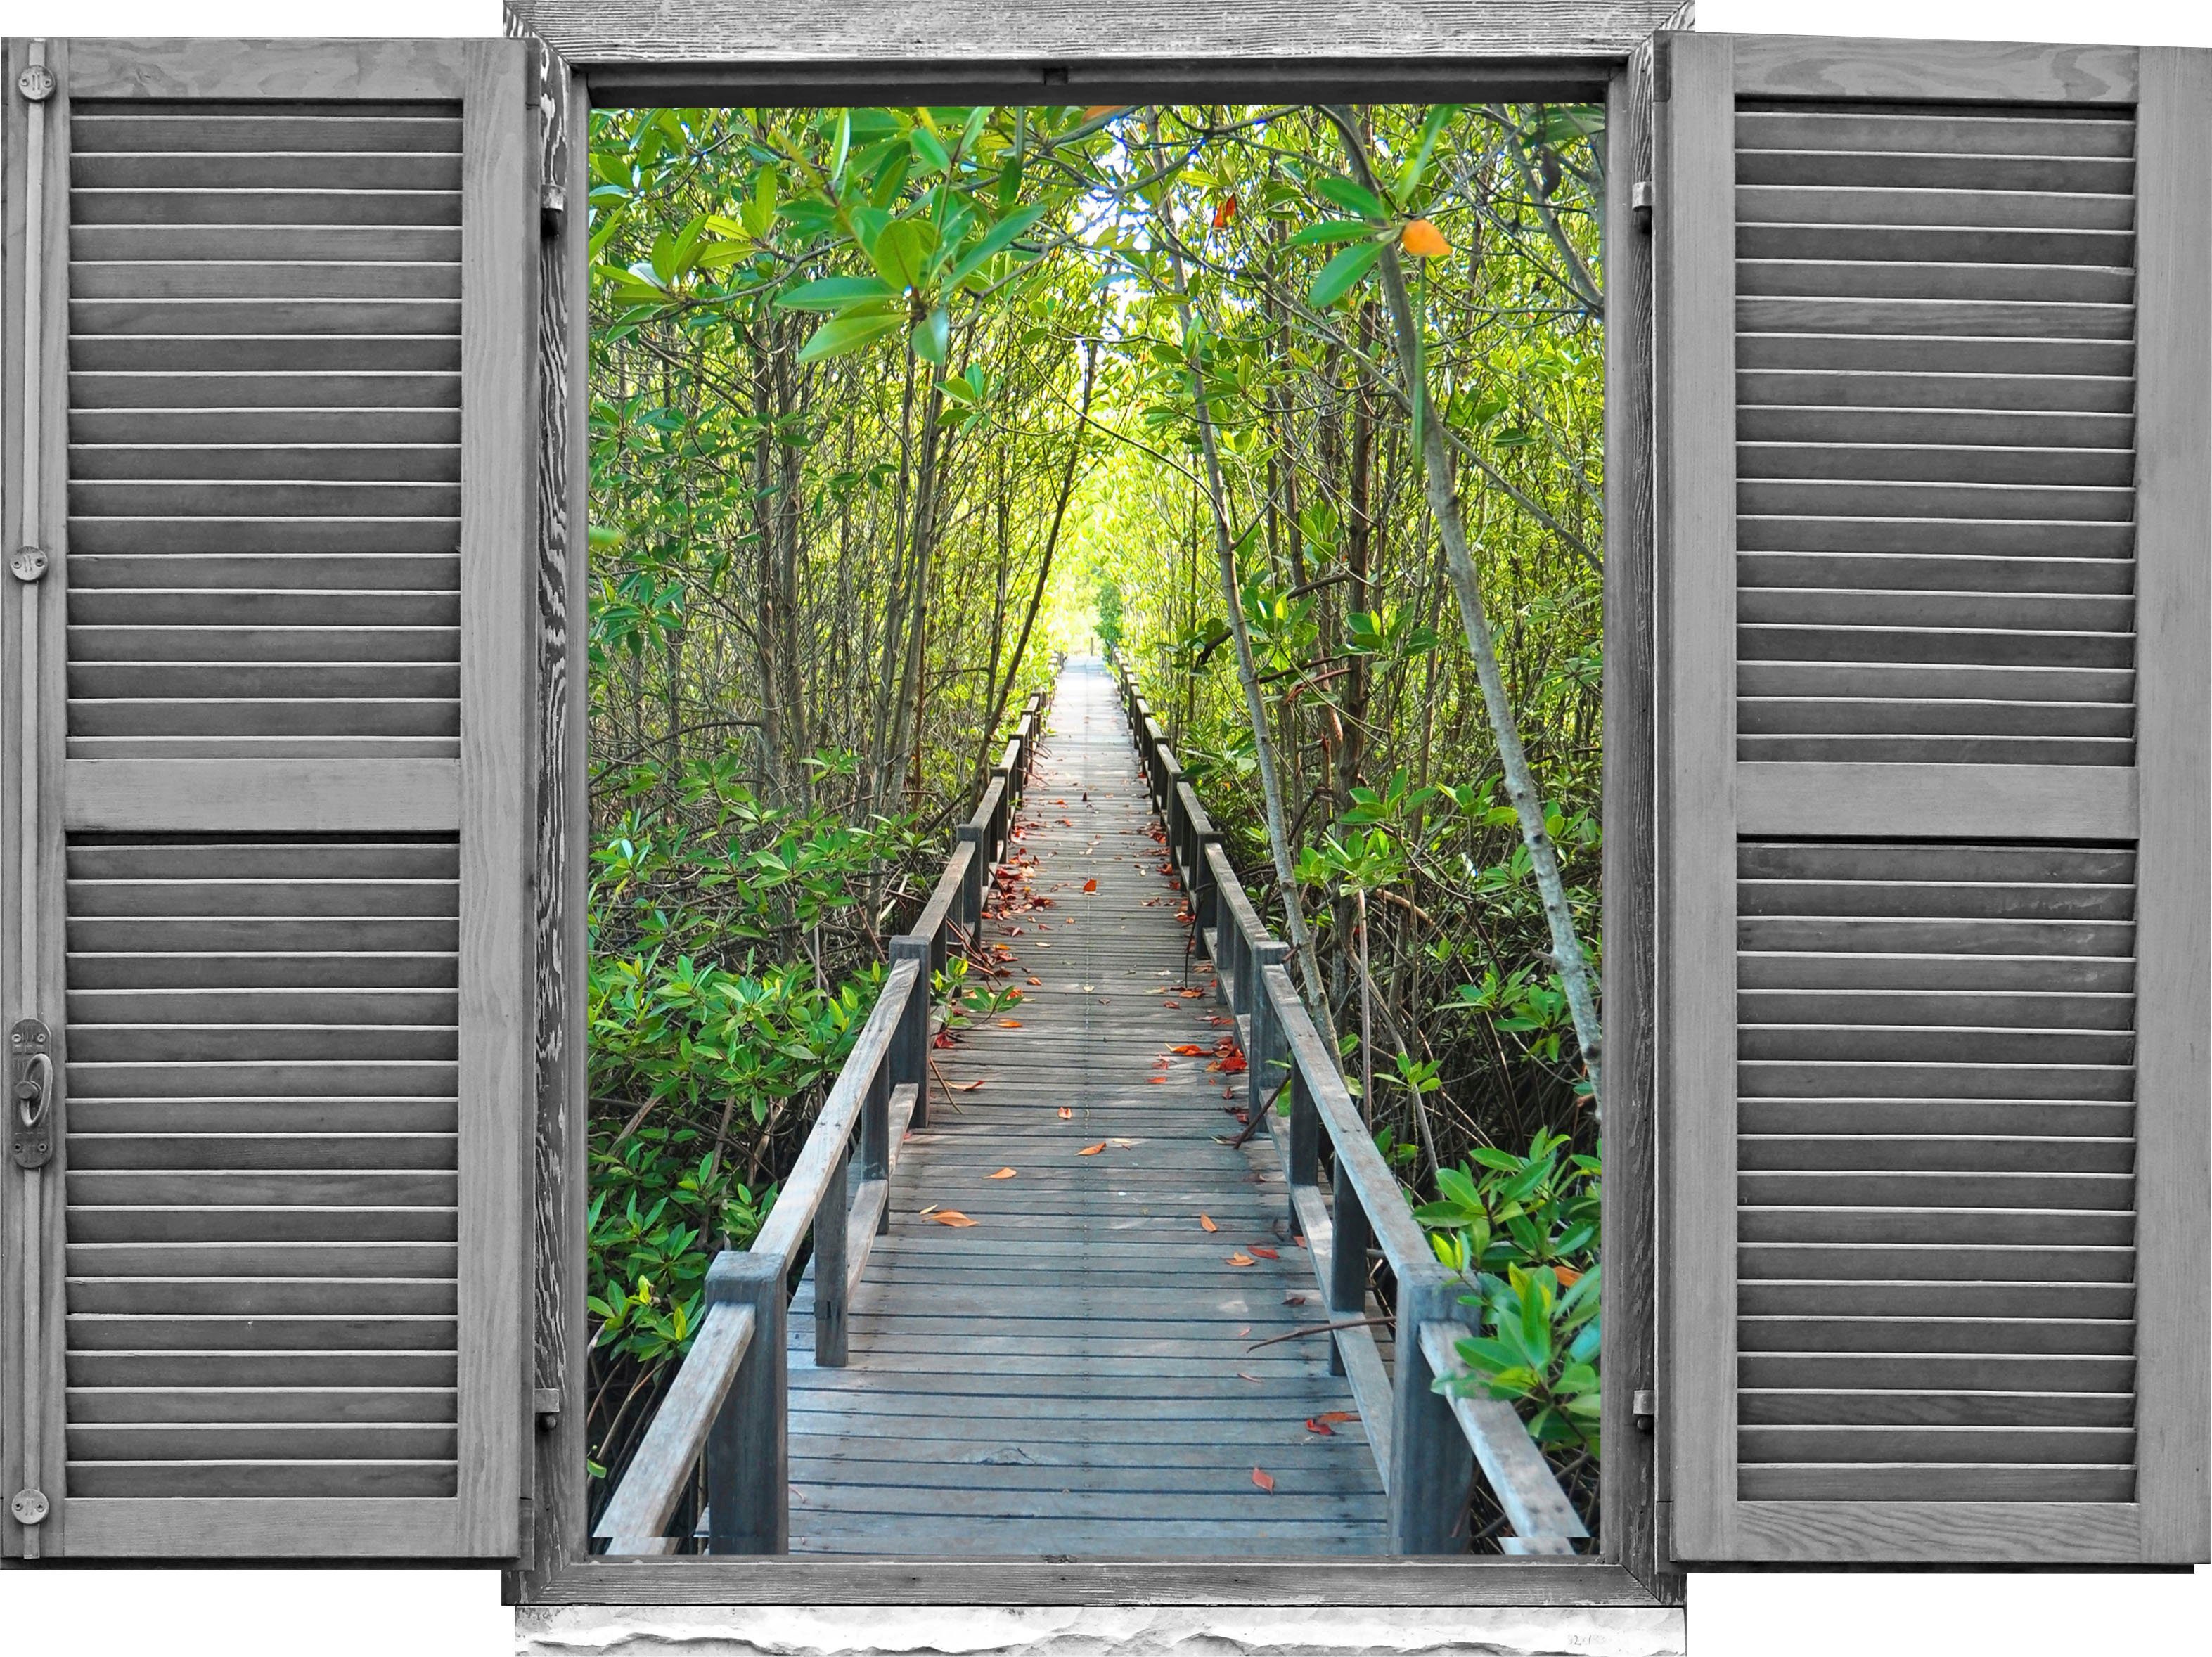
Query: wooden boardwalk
(1072, 1375)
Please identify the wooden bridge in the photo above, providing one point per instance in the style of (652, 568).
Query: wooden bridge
(1057, 1301)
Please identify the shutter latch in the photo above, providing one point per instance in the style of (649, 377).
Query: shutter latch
(31, 1065)
(28, 564)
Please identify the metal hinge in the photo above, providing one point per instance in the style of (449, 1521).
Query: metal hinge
(1639, 203)
(1644, 1409)
(31, 1088)
(546, 1400)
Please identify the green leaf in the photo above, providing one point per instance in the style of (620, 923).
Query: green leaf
(898, 251)
(844, 335)
(933, 337)
(1353, 199)
(994, 241)
(1344, 273)
(929, 151)
(835, 293)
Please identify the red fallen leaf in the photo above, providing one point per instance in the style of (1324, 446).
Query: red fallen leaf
(1228, 1093)
(1092, 1151)
(1066, 1114)
(1004, 1173)
(1226, 212)
(1190, 995)
(1266, 1254)
(1300, 1242)
(1010, 1023)
(1207, 1220)
(943, 1039)
(1188, 1050)
(1091, 885)
(951, 1216)
(1038, 981)
(1242, 1116)
(1567, 1275)
(1234, 1065)
(1240, 1258)
(1156, 1079)
(1338, 1415)
(1263, 1480)
(1314, 1424)
(1294, 1300)
(967, 1086)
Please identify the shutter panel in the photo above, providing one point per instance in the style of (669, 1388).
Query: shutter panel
(277, 867)
(1936, 392)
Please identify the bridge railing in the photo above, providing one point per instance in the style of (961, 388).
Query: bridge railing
(1425, 1443)
(727, 1404)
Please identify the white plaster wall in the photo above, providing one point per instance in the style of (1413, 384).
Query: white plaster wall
(1091, 1632)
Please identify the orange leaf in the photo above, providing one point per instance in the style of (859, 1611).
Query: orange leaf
(1066, 1114)
(1004, 1173)
(1314, 1425)
(1423, 240)
(1091, 885)
(1192, 994)
(1566, 1274)
(1226, 212)
(1339, 1415)
(1092, 1151)
(951, 1216)
(1240, 1258)
(1157, 1081)
(1266, 1254)
(968, 1087)
(1010, 1023)
(1096, 110)
(1039, 982)
(1265, 1481)
(1189, 1050)
(1207, 1220)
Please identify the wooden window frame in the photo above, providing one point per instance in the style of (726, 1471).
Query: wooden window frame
(784, 52)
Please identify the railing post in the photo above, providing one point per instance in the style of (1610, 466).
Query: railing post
(1431, 1466)
(1002, 815)
(829, 1223)
(1240, 983)
(1204, 892)
(748, 1475)
(974, 836)
(1347, 1260)
(876, 1137)
(1264, 1056)
(911, 1047)
(1304, 1149)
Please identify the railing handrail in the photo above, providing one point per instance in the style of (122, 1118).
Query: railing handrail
(727, 1402)
(1422, 1440)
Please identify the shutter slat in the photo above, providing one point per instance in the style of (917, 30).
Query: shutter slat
(2015, 1411)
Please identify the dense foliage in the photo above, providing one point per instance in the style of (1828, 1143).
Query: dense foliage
(887, 405)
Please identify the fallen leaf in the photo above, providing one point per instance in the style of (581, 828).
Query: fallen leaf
(1190, 994)
(1156, 1080)
(1039, 982)
(942, 1039)
(1010, 1023)
(1091, 885)
(1207, 1221)
(932, 1209)
(1266, 1254)
(1245, 1331)
(1189, 1050)
(1004, 1173)
(1092, 1151)
(1294, 1300)
(1339, 1415)
(1254, 1379)
(968, 1087)
(1066, 1114)
(1240, 1258)
(1265, 1481)
(951, 1216)
(1314, 1425)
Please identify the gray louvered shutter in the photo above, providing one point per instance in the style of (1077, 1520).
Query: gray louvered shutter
(1935, 399)
(266, 820)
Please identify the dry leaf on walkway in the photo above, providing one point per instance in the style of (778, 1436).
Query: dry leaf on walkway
(1004, 1173)
(1338, 1415)
(1156, 1080)
(1241, 1375)
(1240, 1258)
(1314, 1425)
(1038, 981)
(951, 1216)
(1092, 1151)
(1190, 994)
(1207, 1220)
(1066, 1114)
(1091, 885)
(1266, 1254)
(1010, 1023)
(1265, 1481)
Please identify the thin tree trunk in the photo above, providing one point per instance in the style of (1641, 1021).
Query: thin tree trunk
(1521, 788)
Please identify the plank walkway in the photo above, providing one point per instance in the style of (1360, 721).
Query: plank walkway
(1071, 1373)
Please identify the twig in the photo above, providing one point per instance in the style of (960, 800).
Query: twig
(1321, 1329)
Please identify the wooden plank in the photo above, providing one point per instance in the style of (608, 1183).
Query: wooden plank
(1940, 801)
(280, 796)
(1963, 71)
(2174, 923)
(1519, 1479)
(1694, 265)
(306, 70)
